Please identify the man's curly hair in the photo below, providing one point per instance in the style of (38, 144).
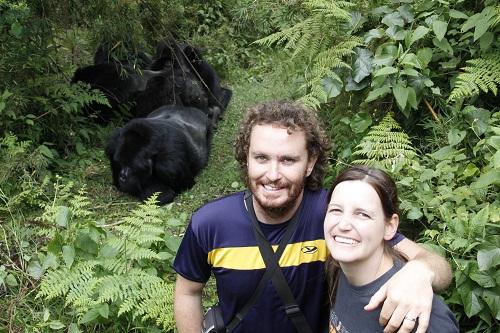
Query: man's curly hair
(294, 117)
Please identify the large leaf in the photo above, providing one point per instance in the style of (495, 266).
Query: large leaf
(419, 33)
(443, 44)
(385, 71)
(393, 19)
(401, 94)
(487, 259)
(455, 136)
(488, 178)
(373, 34)
(360, 122)
(62, 216)
(332, 86)
(439, 28)
(377, 93)
(363, 65)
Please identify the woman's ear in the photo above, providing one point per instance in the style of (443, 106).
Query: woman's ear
(391, 227)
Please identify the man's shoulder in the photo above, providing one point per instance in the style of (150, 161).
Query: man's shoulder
(220, 207)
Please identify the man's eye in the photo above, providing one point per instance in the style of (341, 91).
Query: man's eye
(288, 160)
(260, 158)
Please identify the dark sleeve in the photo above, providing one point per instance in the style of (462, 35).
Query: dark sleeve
(396, 239)
(442, 319)
(191, 260)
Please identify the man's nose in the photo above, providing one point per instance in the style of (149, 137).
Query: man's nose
(273, 171)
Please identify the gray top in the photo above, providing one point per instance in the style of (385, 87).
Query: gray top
(348, 315)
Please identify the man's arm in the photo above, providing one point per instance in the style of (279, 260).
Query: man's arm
(187, 305)
(408, 294)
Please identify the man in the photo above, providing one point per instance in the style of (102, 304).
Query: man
(282, 152)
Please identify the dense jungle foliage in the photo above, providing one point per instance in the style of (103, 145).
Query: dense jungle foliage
(408, 85)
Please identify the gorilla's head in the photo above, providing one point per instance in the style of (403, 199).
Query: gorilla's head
(135, 162)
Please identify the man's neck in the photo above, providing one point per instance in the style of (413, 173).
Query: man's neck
(268, 217)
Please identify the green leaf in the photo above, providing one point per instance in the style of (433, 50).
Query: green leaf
(91, 315)
(68, 254)
(332, 86)
(85, 243)
(471, 303)
(410, 72)
(377, 93)
(73, 328)
(424, 56)
(385, 71)
(173, 243)
(496, 160)
(470, 170)
(481, 27)
(16, 29)
(455, 136)
(401, 94)
(393, 19)
(484, 281)
(492, 298)
(35, 270)
(360, 122)
(11, 280)
(486, 40)
(439, 28)
(363, 65)
(56, 325)
(444, 153)
(50, 261)
(488, 178)
(443, 44)
(487, 259)
(373, 34)
(62, 216)
(103, 310)
(414, 213)
(412, 98)
(411, 60)
(45, 151)
(419, 33)
(457, 14)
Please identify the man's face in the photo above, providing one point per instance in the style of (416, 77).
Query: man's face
(278, 164)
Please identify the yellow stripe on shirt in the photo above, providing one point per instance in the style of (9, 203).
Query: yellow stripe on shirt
(249, 258)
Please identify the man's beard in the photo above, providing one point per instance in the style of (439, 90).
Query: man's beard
(281, 210)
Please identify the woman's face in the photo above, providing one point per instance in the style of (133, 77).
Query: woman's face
(355, 225)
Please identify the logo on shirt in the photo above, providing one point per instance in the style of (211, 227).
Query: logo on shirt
(309, 249)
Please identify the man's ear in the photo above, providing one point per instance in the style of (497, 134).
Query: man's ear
(391, 227)
(310, 164)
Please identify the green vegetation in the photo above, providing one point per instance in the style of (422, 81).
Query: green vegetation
(409, 86)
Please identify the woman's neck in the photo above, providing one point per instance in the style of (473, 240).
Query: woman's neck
(360, 273)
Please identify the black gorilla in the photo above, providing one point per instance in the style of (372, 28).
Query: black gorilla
(195, 82)
(161, 153)
(178, 75)
(119, 83)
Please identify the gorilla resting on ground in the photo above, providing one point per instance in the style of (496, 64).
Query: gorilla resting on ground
(120, 84)
(161, 153)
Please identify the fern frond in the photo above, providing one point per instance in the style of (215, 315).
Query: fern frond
(385, 146)
(482, 74)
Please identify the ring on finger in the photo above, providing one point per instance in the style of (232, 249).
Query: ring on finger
(411, 319)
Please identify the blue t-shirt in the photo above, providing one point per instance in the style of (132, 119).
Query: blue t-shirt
(220, 240)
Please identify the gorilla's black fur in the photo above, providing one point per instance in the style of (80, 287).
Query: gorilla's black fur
(177, 75)
(161, 153)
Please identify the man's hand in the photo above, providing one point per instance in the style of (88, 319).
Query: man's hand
(408, 295)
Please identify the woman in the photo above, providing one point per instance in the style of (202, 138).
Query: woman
(361, 217)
